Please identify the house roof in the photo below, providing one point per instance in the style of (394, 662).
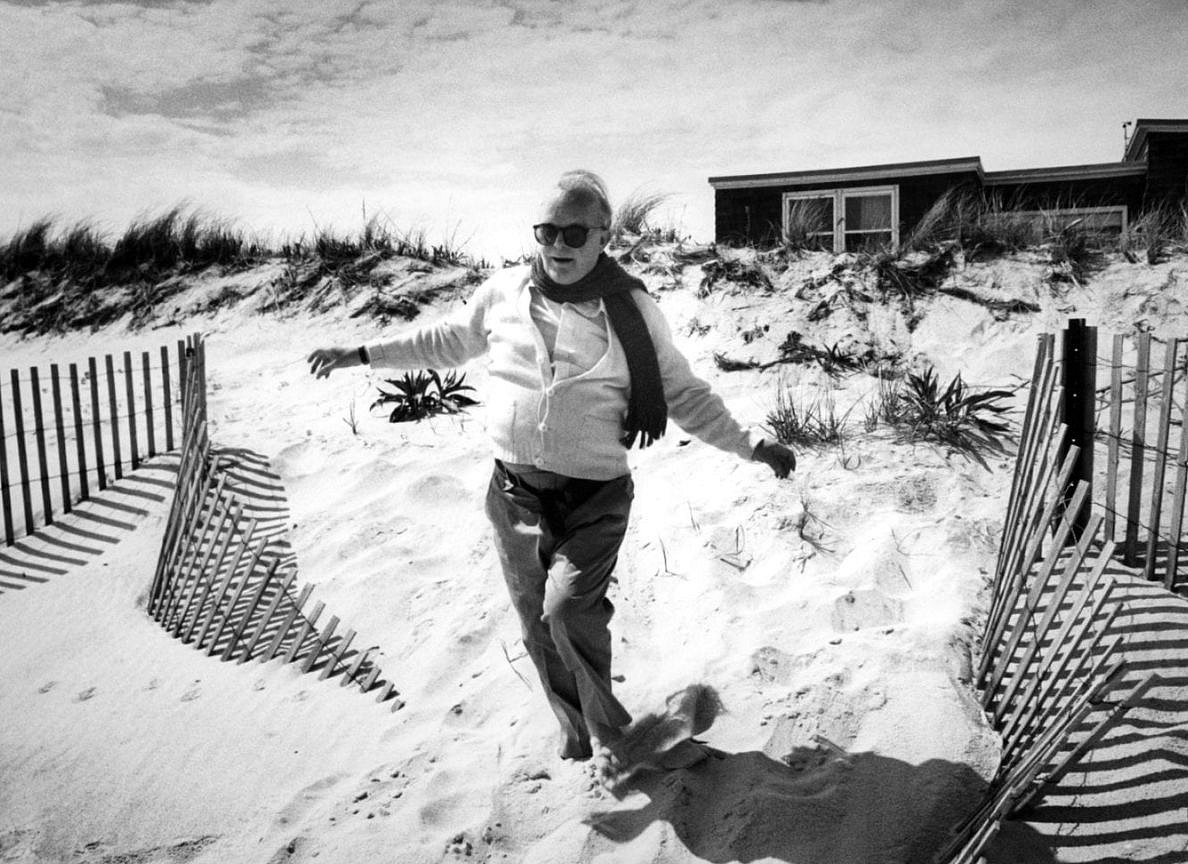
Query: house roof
(1099, 171)
(965, 165)
(862, 172)
(1144, 125)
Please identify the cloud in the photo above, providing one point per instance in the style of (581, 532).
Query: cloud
(441, 111)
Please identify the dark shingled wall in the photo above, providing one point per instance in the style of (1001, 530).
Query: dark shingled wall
(1167, 168)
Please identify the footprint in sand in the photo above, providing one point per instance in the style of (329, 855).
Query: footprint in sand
(47, 687)
(306, 799)
(84, 695)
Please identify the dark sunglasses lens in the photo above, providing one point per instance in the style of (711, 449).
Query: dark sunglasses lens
(574, 236)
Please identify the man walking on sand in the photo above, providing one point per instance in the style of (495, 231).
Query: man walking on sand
(582, 366)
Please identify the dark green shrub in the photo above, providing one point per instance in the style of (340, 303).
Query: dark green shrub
(423, 394)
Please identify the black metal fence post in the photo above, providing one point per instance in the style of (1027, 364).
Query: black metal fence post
(1080, 385)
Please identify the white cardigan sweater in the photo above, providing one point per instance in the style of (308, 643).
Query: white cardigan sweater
(569, 424)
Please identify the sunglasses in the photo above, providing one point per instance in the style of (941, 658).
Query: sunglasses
(573, 236)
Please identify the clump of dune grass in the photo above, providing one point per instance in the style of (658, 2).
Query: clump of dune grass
(634, 215)
(1074, 252)
(956, 415)
(808, 422)
(1157, 233)
(53, 279)
(801, 232)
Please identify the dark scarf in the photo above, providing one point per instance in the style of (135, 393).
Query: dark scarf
(647, 412)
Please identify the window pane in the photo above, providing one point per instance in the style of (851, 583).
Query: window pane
(868, 212)
(811, 215)
(868, 241)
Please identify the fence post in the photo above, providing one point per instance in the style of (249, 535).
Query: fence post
(5, 499)
(1080, 394)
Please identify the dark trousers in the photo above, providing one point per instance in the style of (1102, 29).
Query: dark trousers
(558, 539)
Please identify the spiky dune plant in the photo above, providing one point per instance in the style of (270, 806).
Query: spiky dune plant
(633, 214)
(970, 422)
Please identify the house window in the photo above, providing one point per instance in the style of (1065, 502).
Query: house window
(1044, 224)
(843, 220)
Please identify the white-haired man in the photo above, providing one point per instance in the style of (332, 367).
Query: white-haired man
(581, 367)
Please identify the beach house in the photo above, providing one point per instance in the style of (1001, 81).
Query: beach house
(875, 206)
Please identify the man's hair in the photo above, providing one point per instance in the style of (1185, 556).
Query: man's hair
(586, 189)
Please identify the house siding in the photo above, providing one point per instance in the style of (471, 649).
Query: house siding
(1167, 168)
(1049, 195)
(755, 215)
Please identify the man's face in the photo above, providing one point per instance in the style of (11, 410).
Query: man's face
(566, 264)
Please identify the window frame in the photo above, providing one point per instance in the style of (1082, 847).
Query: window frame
(1073, 213)
(839, 195)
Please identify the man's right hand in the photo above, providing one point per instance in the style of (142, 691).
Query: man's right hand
(776, 456)
(323, 361)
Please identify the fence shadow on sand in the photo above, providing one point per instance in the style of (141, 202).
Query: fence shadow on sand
(90, 528)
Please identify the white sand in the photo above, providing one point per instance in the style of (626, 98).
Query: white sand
(839, 603)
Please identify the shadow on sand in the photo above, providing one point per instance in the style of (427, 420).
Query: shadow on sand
(76, 538)
(815, 804)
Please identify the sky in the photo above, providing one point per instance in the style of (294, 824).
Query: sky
(286, 117)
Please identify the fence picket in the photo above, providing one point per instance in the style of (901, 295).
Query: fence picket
(97, 424)
(199, 564)
(200, 528)
(226, 617)
(1137, 450)
(257, 595)
(306, 626)
(149, 421)
(266, 616)
(5, 497)
(1162, 433)
(130, 395)
(18, 412)
(166, 398)
(116, 457)
(236, 513)
(79, 442)
(279, 638)
(1176, 520)
(1112, 445)
(60, 429)
(320, 644)
(336, 657)
(221, 592)
(353, 671)
(1036, 636)
(43, 479)
(1064, 645)
(1032, 597)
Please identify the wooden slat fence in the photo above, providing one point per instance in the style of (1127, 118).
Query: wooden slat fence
(1052, 657)
(223, 582)
(68, 431)
(1141, 436)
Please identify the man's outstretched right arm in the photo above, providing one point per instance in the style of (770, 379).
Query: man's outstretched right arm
(450, 342)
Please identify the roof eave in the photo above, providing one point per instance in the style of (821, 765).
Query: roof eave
(857, 173)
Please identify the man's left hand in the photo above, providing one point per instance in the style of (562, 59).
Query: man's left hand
(779, 458)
